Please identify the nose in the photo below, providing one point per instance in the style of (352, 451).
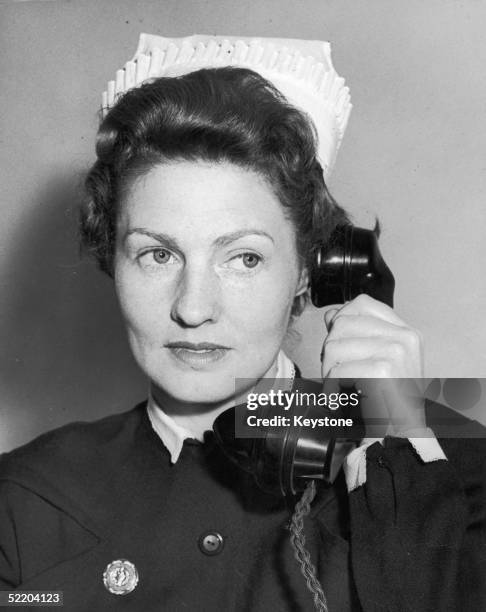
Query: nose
(197, 299)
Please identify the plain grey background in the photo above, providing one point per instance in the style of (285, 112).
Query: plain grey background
(414, 154)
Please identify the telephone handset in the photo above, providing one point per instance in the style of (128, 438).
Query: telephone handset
(284, 463)
(351, 264)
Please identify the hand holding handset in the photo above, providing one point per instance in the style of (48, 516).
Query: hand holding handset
(283, 464)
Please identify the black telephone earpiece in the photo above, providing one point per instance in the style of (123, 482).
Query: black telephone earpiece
(283, 461)
(349, 265)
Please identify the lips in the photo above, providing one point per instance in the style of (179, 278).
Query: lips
(196, 346)
(197, 355)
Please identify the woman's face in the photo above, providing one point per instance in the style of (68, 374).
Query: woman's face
(206, 272)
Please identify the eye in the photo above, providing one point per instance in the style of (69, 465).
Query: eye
(245, 260)
(250, 260)
(156, 258)
(161, 256)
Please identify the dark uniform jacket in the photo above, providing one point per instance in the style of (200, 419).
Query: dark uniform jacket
(412, 538)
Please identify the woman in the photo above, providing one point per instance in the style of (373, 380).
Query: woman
(206, 205)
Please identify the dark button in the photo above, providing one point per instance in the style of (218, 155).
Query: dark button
(381, 462)
(211, 543)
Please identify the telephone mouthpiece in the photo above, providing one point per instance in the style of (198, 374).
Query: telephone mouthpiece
(282, 460)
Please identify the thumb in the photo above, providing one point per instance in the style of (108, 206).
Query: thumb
(329, 316)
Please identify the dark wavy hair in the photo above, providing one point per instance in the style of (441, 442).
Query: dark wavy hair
(218, 114)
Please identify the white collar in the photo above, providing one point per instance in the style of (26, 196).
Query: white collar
(173, 435)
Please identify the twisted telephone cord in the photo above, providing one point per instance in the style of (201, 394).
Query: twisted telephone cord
(297, 539)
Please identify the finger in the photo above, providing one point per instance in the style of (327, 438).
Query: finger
(359, 349)
(364, 304)
(405, 343)
(364, 326)
(360, 368)
(329, 316)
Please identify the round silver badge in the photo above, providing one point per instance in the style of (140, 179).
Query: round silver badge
(120, 577)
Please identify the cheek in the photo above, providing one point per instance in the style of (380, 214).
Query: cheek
(264, 309)
(140, 306)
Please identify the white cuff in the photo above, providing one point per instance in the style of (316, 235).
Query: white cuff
(423, 441)
(425, 444)
(355, 464)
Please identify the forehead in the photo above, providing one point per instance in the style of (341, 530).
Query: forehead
(204, 197)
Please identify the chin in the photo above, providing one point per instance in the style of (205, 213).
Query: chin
(200, 391)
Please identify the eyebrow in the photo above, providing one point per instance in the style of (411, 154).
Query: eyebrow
(218, 242)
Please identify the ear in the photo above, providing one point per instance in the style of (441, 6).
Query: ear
(301, 289)
(303, 284)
